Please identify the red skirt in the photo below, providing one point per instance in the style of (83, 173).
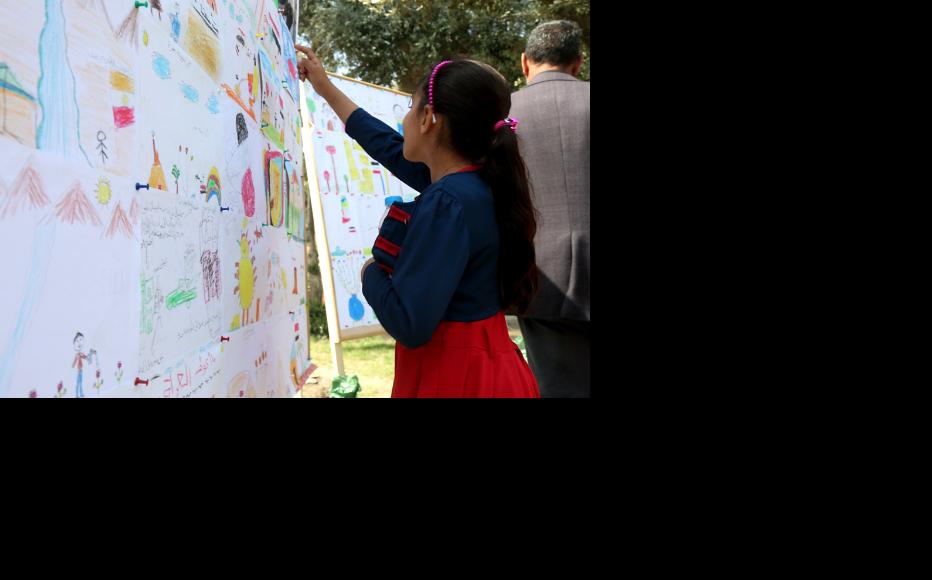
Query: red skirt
(465, 360)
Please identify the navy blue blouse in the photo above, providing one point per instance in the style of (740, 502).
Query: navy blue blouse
(447, 264)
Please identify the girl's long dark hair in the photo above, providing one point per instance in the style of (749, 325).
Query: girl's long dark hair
(473, 96)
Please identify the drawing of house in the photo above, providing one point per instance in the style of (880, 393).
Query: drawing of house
(18, 108)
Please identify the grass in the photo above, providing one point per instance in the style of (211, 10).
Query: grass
(372, 359)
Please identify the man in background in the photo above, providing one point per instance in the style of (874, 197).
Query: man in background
(553, 132)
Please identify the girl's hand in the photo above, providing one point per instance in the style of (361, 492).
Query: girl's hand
(310, 69)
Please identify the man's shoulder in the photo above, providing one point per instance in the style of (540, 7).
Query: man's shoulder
(565, 83)
(555, 94)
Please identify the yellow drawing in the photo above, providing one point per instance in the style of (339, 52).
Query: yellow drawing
(103, 191)
(202, 44)
(157, 175)
(353, 171)
(246, 276)
(121, 82)
(241, 387)
(367, 183)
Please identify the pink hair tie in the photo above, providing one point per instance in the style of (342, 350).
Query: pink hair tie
(512, 123)
(430, 88)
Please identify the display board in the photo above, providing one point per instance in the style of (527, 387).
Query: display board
(151, 200)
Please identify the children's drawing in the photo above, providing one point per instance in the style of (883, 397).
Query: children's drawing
(79, 363)
(272, 117)
(197, 374)
(275, 193)
(133, 142)
(201, 39)
(76, 208)
(18, 108)
(294, 200)
(179, 286)
(156, 173)
(212, 189)
(210, 268)
(354, 189)
(290, 65)
(242, 132)
(102, 146)
(59, 127)
(347, 266)
(104, 191)
(246, 282)
(240, 80)
(120, 224)
(52, 213)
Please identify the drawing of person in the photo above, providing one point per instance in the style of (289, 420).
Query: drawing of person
(78, 363)
(297, 361)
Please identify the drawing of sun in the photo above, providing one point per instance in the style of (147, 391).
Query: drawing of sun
(103, 191)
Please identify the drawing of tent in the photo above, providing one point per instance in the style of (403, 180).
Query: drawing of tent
(157, 175)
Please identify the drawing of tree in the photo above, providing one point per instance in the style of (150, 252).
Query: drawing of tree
(176, 173)
(246, 277)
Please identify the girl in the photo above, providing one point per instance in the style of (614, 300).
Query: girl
(446, 266)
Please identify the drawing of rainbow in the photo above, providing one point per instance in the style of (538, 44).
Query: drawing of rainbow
(213, 185)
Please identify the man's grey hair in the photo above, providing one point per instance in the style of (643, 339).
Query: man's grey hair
(558, 43)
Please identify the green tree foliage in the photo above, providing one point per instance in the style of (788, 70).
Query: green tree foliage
(394, 42)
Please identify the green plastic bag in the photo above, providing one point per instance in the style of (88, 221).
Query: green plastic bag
(344, 387)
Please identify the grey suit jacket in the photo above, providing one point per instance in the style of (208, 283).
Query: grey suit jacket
(553, 134)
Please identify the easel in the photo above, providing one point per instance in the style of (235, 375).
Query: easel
(337, 334)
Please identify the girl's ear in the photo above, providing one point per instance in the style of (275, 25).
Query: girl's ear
(426, 121)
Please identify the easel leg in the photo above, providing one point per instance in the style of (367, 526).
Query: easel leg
(336, 348)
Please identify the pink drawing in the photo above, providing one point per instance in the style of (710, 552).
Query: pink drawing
(123, 116)
(134, 211)
(327, 177)
(75, 207)
(27, 192)
(249, 194)
(119, 223)
(332, 151)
